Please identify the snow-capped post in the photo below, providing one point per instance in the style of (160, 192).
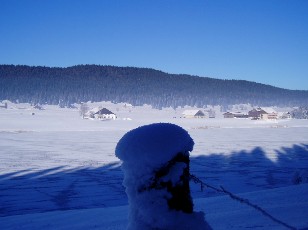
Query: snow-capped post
(156, 177)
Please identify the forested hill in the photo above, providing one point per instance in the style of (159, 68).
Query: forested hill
(137, 86)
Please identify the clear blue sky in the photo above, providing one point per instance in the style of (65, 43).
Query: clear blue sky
(264, 41)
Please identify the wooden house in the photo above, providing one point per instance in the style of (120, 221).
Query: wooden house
(265, 113)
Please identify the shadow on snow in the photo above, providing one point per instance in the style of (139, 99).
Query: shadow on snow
(59, 188)
(250, 171)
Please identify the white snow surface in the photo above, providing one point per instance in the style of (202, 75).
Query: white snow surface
(287, 203)
(58, 171)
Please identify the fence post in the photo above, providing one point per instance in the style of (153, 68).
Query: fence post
(155, 161)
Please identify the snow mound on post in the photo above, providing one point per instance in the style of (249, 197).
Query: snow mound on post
(153, 145)
(156, 168)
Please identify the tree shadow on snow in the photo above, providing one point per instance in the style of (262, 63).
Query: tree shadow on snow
(59, 188)
(246, 171)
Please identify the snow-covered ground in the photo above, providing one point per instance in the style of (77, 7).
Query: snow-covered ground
(58, 171)
(288, 204)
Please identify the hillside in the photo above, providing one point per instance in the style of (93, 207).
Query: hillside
(138, 86)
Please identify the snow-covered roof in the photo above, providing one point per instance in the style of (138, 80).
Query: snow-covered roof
(283, 113)
(239, 113)
(94, 110)
(235, 113)
(99, 110)
(128, 105)
(190, 112)
(268, 110)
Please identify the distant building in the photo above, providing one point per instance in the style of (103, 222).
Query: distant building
(256, 113)
(100, 114)
(3, 106)
(240, 115)
(284, 115)
(228, 115)
(193, 114)
(265, 113)
(235, 115)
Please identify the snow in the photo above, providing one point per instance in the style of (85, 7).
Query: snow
(58, 171)
(190, 112)
(288, 203)
(144, 151)
(153, 145)
(268, 110)
(175, 174)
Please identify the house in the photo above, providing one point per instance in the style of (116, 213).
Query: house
(3, 106)
(284, 115)
(228, 115)
(235, 115)
(265, 113)
(270, 114)
(240, 115)
(193, 114)
(256, 113)
(100, 114)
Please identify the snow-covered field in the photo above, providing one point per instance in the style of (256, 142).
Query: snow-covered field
(58, 171)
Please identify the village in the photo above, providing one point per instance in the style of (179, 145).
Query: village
(259, 113)
(254, 114)
(107, 111)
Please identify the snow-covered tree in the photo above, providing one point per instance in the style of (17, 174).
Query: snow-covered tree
(300, 113)
(84, 108)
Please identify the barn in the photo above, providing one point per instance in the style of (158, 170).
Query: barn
(100, 114)
(193, 114)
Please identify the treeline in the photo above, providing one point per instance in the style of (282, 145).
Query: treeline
(138, 86)
(300, 113)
